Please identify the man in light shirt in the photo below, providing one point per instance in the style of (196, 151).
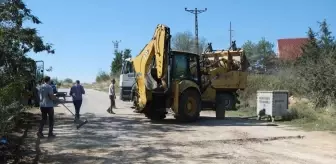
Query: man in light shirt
(47, 99)
(112, 96)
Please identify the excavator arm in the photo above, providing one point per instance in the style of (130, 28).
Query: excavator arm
(151, 65)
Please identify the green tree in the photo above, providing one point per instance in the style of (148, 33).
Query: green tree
(116, 64)
(16, 69)
(310, 51)
(326, 41)
(185, 41)
(266, 51)
(15, 41)
(251, 52)
(261, 55)
(120, 56)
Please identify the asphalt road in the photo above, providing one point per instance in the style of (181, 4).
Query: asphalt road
(127, 137)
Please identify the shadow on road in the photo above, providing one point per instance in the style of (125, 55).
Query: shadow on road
(116, 138)
(105, 136)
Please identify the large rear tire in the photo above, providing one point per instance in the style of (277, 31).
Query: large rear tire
(224, 101)
(190, 106)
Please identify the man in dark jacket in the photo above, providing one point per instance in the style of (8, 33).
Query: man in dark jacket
(76, 92)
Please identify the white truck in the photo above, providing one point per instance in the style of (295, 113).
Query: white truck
(127, 80)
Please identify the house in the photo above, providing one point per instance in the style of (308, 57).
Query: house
(290, 49)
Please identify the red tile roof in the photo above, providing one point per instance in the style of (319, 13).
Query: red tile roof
(290, 49)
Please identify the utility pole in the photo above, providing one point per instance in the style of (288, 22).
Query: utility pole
(116, 44)
(230, 30)
(196, 12)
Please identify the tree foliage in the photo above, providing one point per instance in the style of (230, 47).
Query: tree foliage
(16, 69)
(68, 80)
(119, 57)
(316, 67)
(261, 55)
(102, 76)
(185, 41)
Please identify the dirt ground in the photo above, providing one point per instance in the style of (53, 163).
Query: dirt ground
(128, 137)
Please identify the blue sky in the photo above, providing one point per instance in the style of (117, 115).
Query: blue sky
(82, 31)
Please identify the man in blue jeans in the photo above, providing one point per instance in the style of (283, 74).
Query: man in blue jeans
(46, 106)
(76, 92)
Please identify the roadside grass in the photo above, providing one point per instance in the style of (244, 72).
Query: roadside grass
(302, 115)
(310, 119)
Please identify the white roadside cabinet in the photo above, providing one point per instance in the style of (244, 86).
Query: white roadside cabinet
(272, 104)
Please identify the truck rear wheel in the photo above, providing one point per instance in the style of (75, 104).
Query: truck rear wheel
(224, 101)
(189, 106)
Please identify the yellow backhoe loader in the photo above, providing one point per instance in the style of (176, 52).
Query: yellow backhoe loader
(185, 82)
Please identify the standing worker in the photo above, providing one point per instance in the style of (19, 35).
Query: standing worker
(112, 97)
(76, 92)
(47, 107)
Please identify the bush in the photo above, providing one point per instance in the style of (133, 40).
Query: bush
(283, 80)
(303, 111)
(103, 76)
(68, 80)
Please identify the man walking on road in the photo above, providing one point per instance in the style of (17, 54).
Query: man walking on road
(76, 92)
(112, 97)
(47, 107)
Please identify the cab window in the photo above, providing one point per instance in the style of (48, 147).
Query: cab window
(186, 67)
(192, 60)
(181, 69)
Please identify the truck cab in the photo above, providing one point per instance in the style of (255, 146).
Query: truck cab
(127, 80)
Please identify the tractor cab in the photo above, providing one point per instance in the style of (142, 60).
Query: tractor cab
(185, 66)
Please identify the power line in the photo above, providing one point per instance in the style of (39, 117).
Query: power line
(196, 12)
(116, 44)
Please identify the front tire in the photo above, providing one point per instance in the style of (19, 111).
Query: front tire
(190, 106)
